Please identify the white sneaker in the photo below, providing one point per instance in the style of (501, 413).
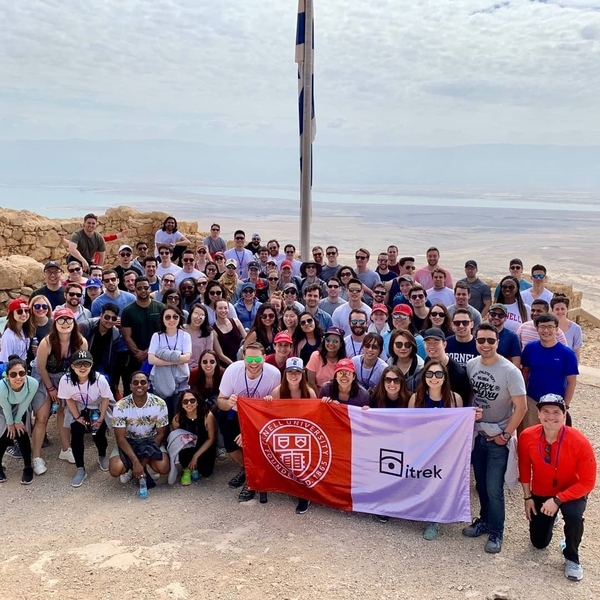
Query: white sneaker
(573, 571)
(39, 466)
(126, 477)
(67, 455)
(153, 473)
(221, 454)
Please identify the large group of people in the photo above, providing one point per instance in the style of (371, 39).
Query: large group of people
(159, 353)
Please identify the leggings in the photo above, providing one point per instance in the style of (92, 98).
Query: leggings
(206, 461)
(24, 445)
(78, 431)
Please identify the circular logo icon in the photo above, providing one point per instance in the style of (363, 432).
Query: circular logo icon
(297, 449)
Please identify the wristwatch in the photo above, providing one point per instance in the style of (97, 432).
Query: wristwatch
(557, 500)
(506, 436)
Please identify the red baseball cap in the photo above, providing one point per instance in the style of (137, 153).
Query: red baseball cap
(403, 309)
(286, 263)
(283, 336)
(345, 364)
(63, 312)
(381, 307)
(16, 304)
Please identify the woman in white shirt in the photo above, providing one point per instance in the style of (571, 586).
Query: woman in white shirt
(19, 331)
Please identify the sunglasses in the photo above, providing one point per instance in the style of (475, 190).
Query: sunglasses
(202, 283)
(65, 320)
(169, 281)
(137, 382)
(248, 291)
(355, 290)
(358, 322)
(240, 239)
(74, 294)
(345, 274)
(143, 288)
(331, 253)
(508, 287)
(40, 306)
(171, 317)
(461, 323)
(231, 267)
(378, 292)
(202, 251)
(391, 380)
(402, 345)
(22, 311)
(211, 270)
(110, 318)
(417, 296)
(174, 298)
(497, 315)
(399, 316)
(482, 340)
(437, 314)
(268, 316)
(215, 293)
(293, 292)
(109, 279)
(307, 322)
(209, 362)
(164, 253)
(315, 254)
(124, 253)
(75, 270)
(273, 278)
(219, 258)
(188, 260)
(333, 287)
(83, 365)
(215, 229)
(253, 359)
(436, 374)
(187, 401)
(515, 267)
(332, 340)
(14, 374)
(361, 258)
(143, 248)
(371, 347)
(539, 276)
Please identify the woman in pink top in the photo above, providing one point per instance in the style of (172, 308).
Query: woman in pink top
(321, 365)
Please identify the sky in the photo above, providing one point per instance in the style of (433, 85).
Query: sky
(387, 72)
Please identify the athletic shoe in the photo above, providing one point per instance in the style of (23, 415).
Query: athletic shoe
(186, 477)
(262, 497)
(432, 531)
(67, 455)
(125, 477)
(238, 480)
(494, 544)
(39, 466)
(2, 476)
(246, 494)
(221, 454)
(475, 529)
(103, 462)
(27, 477)
(302, 506)
(573, 571)
(14, 451)
(382, 518)
(79, 478)
(152, 473)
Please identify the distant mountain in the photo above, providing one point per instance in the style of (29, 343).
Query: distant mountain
(25, 161)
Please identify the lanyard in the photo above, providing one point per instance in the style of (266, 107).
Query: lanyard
(364, 381)
(250, 394)
(87, 394)
(240, 260)
(354, 347)
(176, 339)
(548, 461)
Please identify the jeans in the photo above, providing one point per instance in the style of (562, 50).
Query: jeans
(78, 431)
(540, 526)
(489, 466)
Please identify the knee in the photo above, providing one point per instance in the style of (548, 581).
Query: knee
(116, 466)
(41, 419)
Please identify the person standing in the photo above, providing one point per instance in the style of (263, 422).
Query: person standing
(383, 268)
(528, 332)
(557, 469)
(241, 256)
(538, 291)
(481, 294)
(508, 345)
(330, 268)
(499, 396)
(142, 252)
(462, 346)
(165, 253)
(424, 274)
(188, 270)
(126, 264)
(367, 276)
(341, 314)
(439, 292)
(515, 268)
(214, 242)
(87, 245)
(332, 300)
(393, 264)
(462, 298)
(52, 289)
(559, 306)
(358, 323)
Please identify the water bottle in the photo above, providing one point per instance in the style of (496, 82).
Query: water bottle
(195, 475)
(34, 345)
(143, 488)
(94, 416)
(55, 407)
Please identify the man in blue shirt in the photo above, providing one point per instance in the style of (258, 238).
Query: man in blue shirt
(549, 367)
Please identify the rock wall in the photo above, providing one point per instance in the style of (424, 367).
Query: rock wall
(28, 240)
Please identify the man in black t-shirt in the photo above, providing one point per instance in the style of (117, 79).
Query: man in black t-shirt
(461, 346)
(53, 290)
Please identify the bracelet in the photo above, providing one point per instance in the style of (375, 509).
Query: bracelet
(528, 497)
(52, 389)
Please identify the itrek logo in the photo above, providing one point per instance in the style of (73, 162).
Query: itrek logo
(297, 449)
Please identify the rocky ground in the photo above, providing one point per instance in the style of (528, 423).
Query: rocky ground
(101, 541)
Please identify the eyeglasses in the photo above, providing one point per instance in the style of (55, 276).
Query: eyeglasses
(307, 322)
(400, 345)
(515, 267)
(14, 374)
(266, 316)
(138, 382)
(142, 288)
(65, 320)
(253, 359)
(508, 287)
(188, 260)
(355, 290)
(174, 298)
(461, 323)
(273, 278)
(548, 327)
(83, 365)
(437, 314)
(110, 318)
(169, 281)
(74, 294)
(436, 374)
(215, 293)
(361, 258)
(22, 311)
(74, 269)
(333, 286)
(212, 361)
(166, 253)
(482, 340)
(240, 239)
(109, 279)
(357, 322)
(417, 296)
(125, 254)
(391, 380)
(171, 317)
(292, 292)
(399, 316)
(332, 340)
(371, 347)
(497, 315)
(344, 373)
(187, 401)
(539, 276)
(331, 253)
(40, 306)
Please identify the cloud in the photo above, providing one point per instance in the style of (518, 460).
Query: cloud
(389, 72)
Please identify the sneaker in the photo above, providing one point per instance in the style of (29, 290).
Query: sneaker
(2, 475)
(246, 494)
(14, 451)
(475, 529)
(432, 531)
(186, 477)
(46, 442)
(382, 518)
(39, 466)
(262, 497)
(221, 454)
(573, 571)
(494, 544)
(302, 506)
(152, 473)
(103, 462)
(125, 477)
(67, 455)
(79, 478)
(27, 477)
(238, 480)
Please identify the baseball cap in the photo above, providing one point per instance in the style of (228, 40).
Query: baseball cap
(380, 307)
(63, 312)
(289, 286)
(125, 247)
(93, 282)
(498, 306)
(254, 265)
(81, 356)
(231, 261)
(333, 330)
(471, 263)
(345, 364)
(434, 333)
(403, 309)
(406, 278)
(552, 400)
(219, 255)
(248, 285)
(283, 336)
(16, 304)
(294, 364)
(286, 263)
(515, 261)
(52, 264)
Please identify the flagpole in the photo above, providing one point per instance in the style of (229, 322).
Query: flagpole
(306, 149)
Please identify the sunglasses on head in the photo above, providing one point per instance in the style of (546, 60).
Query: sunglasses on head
(40, 306)
(331, 253)
(14, 374)
(436, 374)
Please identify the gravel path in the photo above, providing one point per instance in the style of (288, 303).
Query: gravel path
(101, 541)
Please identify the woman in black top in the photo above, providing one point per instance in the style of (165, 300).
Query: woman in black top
(391, 391)
(264, 329)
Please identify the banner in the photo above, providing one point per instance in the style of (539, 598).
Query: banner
(405, 463)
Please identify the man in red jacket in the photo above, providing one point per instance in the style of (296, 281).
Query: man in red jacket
(557, 469)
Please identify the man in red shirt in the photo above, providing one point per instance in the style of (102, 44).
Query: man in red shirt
(557, 469)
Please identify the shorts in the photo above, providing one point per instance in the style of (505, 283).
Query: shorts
(148, 450)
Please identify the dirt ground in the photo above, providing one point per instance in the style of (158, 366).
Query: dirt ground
(101, 541)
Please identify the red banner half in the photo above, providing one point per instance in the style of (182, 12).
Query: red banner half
(298, 447)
